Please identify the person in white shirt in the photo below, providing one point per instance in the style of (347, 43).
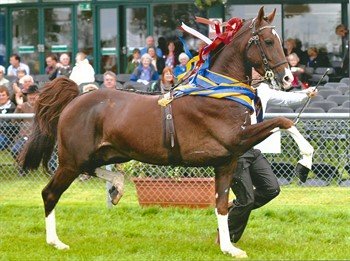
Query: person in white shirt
(3, 80)
(82, 72)
(254, 183)
(15, 61)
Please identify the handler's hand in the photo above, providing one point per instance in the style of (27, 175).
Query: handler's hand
(311, 92)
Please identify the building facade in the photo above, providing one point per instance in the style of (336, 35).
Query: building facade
(108, 30)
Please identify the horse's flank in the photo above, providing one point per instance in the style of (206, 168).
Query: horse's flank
(119, 126)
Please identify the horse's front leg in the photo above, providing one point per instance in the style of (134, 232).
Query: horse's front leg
(223, 179)
(251, 135)
(306, 150)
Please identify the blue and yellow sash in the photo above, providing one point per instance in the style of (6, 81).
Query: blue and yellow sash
(211, 84)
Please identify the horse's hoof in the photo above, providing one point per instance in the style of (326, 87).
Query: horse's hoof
(115, 194)
(302, 172)
(58, 244)
(235, 252)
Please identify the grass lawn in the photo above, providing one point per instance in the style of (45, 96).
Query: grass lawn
(301, 224)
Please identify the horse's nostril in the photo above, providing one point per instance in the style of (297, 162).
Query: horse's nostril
(286, 78)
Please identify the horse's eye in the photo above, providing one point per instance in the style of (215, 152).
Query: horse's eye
(268, 42)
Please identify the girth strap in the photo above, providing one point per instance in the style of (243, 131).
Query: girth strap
(169, 135)
(170, 142)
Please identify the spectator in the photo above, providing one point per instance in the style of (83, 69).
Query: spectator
(32, 94)
(150, 43)
(134, 61)
(162, 45)
(343, 32)
(145, 72)
(170, 57)
(6, 129)
(289, 46)
(89, 87)
(110, 81)
(21, 89)
(315, 59)
(298, 71)
(298, 50)
(158, 62)
(63, 67)
(3, 80)
(181, 68)
(51, 68)
(17, 83)
(82, 72)
(15, 62)
(165, 83)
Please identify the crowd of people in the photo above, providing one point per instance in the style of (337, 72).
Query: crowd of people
(313, 58)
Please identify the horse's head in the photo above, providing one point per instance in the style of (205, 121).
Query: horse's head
(264, 50)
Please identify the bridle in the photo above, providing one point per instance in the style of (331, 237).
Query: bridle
(269, 74)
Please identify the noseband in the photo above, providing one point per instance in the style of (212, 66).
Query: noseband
(269, 74)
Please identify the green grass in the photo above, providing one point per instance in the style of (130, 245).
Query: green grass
(301, 224)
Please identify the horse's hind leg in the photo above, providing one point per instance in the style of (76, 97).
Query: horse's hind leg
(51, 194)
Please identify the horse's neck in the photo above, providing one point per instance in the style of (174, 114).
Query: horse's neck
(231, 63)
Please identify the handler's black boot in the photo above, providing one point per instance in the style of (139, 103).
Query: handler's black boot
(302, 172)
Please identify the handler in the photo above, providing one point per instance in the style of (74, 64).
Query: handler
(254, 183)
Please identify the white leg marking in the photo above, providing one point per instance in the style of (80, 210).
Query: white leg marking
(306, 150)
(51, 235)
(225, 244)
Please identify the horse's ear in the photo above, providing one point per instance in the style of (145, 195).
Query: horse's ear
(261, 15)
(271, 16)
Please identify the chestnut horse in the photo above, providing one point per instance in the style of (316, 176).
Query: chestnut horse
(113, 126)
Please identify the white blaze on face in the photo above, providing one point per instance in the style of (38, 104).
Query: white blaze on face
(276, 34)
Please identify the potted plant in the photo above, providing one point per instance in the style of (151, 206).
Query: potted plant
(173, 186)
(205, 4)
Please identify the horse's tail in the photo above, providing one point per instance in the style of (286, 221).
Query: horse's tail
(53, 98)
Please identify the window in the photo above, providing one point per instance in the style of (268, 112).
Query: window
(167, 18)
(314, 25)
(250, 11)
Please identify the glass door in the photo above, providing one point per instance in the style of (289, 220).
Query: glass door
(108, 40)
(58, 31)
(25, 37)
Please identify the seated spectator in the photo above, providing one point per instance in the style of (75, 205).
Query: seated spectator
(89, 87)
(151, 43)
(3, 80)
(181, 68)
(134, 61)
(15, 61)
(82, 72)
(19, 90)
(289, 46)
(51, 68)
(165, 83)
(162, 45)
(32, 94)
(110, 81)
(145, 72)
(6, 129)
(158, 62)
(63, 67)
(298, 71)
(315, 59)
